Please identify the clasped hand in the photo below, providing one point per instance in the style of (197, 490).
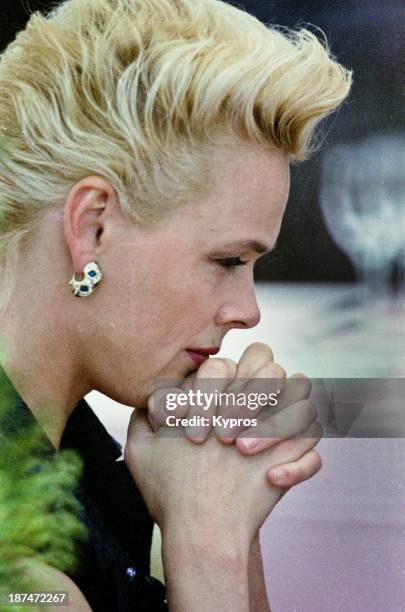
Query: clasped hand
(203, 469)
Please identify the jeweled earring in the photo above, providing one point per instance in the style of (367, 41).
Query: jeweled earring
(90, 278)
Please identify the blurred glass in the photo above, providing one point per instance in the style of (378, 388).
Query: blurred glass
(362, 201)
(394, 155)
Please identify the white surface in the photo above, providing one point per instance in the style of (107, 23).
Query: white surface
(325, 331)
(115, 416)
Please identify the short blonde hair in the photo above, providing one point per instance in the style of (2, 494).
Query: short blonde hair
(139, 92)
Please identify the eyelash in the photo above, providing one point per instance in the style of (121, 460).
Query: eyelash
(231, 263)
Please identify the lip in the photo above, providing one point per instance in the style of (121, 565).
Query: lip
(202, 354)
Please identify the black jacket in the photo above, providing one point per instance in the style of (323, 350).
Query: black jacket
(114, 562)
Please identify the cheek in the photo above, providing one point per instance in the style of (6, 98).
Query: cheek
(150, 343)
(178, 298)
(183, 316)
(165, 306)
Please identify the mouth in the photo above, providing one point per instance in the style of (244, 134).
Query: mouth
(198, 356)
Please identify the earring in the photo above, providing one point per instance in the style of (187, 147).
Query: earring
(90, 278)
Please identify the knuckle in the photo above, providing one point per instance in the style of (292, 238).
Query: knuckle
(161, 400)
(255, 356)
(261, 347)
(302, 383)
(277, 371)
(317, 461)
(309, 411)
(151, 402)
(313, 463)
(215, 367)
(299, 473)
(230, 367)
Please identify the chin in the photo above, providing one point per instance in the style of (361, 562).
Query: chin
(141, 404)
(173, 376)
(123, 394)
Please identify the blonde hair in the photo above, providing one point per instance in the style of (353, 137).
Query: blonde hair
(140, 92)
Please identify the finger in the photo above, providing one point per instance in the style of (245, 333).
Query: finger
(189, 382)
(290, 474)
(295, 447)
(297, 387)
(270, 430)
(269, 378)
(139, 426)
(254, 357)
(213, 376)
(266, 386)
(230, 372)
(164, 403)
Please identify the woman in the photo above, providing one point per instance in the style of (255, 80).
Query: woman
(148, 145)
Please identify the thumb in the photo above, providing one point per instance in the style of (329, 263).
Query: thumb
(139, 427)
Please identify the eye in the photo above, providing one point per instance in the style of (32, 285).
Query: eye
(231, 262)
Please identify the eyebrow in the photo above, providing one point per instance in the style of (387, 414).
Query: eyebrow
(251, 245)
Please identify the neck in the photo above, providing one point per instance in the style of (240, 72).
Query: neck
(39, 358)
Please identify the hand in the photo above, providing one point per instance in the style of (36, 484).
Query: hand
(292, 427)
(202, 489)
(288, 428)
(209, 502)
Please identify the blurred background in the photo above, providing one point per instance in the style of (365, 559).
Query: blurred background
(332, 298)
(367, 37)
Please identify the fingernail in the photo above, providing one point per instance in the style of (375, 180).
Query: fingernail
(250, 443)
(195, 440)
(278, 474)
(226, 439)
(195, 434)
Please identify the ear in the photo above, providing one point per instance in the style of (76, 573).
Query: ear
(88, 208)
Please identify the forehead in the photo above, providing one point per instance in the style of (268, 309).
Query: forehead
(247, 197)
(244, 202)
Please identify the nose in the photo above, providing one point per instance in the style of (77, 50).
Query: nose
(239, 311)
